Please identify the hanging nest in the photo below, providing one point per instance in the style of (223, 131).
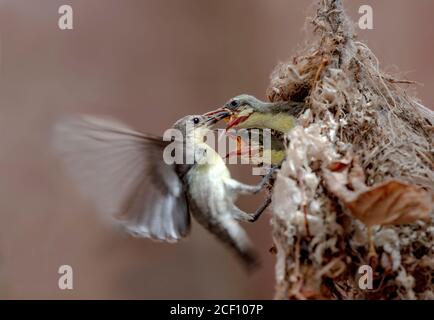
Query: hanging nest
(356, 188)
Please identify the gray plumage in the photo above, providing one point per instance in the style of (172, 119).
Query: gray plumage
(123, 172)
(294, 108)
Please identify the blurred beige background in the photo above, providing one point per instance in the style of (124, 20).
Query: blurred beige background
(146, 62)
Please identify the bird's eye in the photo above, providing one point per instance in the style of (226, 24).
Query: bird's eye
(234, 103)
(196, 120)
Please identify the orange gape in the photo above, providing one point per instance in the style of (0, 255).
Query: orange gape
(240, 148)
(233, 121)
(236, 121)
(243, 148)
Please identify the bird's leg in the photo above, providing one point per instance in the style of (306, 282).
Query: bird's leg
(261, 209)
(242, 188)
(239, 214)
(267, 201)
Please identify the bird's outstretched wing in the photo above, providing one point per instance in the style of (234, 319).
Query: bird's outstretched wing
(122, 171)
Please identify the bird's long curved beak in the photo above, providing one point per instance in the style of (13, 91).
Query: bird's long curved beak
(233, 118)
(216, 115)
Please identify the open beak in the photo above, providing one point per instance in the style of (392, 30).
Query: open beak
(216, 115)
(235, 120)
(232, 118)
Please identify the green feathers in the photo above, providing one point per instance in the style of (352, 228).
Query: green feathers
(281, 122)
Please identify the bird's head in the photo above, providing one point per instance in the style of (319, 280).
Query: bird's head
(198, 126)
(241, 108)
(248, 112)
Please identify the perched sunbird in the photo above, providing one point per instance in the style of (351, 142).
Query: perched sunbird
(124, 173)
(248, 112)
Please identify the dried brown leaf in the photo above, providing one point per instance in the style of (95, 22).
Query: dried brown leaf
(390, 202)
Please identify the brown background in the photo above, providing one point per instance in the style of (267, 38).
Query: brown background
(147, 62)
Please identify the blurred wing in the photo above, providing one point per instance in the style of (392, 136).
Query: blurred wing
(123, 172)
